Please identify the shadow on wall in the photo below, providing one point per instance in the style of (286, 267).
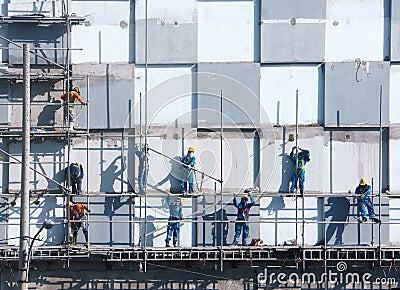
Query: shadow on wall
(174, 176)
(48, 212)
(47, 116)
(219, 230)
(339, 212)
(149, 232)
(287, 172)
(110, 175)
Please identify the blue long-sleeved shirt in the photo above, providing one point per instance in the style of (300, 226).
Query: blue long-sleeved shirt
(363, 192)
(175, 211)
(243, 208)
(189, 161)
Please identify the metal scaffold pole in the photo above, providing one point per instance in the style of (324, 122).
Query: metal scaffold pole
(380, 174)
(24, 217)
(297, 163)
(146, 162)
(221, 176)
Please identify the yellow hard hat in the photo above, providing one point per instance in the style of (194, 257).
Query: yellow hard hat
(180, 200)
(363, 181)
(245, 197)
(77, 89)
(192, 149)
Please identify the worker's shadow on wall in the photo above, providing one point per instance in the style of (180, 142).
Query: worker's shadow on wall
(47, 116)
(286, 172)
(108, 177)
(174, 176)
(339, 213)
(219, 227)
(147, 232)
(47, 211)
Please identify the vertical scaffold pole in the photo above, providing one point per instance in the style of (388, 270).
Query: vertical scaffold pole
(24, 217)
(380, 174)
(221, 178)
(297, 162)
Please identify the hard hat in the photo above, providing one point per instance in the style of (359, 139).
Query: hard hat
(245, 197)
(192, 149)
(180, 201)
(77, 89)
(363, 181)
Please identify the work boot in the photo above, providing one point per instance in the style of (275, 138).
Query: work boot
(174, 244)
(74, 240)
(167, 245)
(363, 219)
(376, 220)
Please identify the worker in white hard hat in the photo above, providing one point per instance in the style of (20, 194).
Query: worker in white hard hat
(73, 95)
(363, 191)
(174, 225)
(189, 162)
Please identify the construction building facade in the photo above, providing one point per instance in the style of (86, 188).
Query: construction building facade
(242, 81)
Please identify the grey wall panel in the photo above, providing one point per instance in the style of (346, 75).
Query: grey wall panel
(4, 86)
(282, 42)
(395, 31)
(352, 93)
(3, 220)
(52, 36)
(240, 86)
(167, 43)
(112, 89)
(211, 232)
(109, 221)
(287, 9)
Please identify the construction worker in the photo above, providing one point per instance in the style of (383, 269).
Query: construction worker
(175, 216)
(242, 218)
(189, 162)
(302, 156)
(142, 152)
(76, 175)
(363, 191)
(74, 94)
(77, 216)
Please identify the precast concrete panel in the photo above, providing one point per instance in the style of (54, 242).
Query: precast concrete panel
(288, 9)
(45, 8)
(171, 32)
(240, 87)
(46, 158)
(355, 29)
(49, 208)
(395, 31)
(218, 222)
(170, 95)
(3, 109)
(238, 173)
(394, 163)
(394, 218)
(353, 85)
(107, 169)
(230, 38)
(44, 38)
(151, 229)
(289, 41)
(111, 89)
(3, 219)
(276, 174)
(394, 99)
(278, 208)
(278, 87)
(110, 222)
(4, 167)
(107, 33)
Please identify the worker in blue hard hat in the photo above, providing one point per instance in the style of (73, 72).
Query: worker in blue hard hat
(242, 218)
(189, 162)
(301, 156)
(363, 192)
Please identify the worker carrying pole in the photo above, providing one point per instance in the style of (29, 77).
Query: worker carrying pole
(363, 192)
(69, 109)
(302, 156)
(189, 162)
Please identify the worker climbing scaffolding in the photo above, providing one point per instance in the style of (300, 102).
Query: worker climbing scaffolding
(363, 192)
(69, 111)
(242, 218)
(300, 157)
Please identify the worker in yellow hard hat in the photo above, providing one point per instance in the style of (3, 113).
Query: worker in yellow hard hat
(189, 162)
(363, 191)
(73, 95)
